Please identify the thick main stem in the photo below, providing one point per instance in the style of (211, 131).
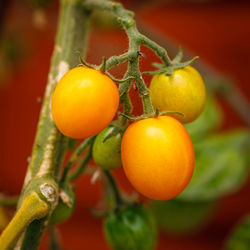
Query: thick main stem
(32, 208)
(50, 145)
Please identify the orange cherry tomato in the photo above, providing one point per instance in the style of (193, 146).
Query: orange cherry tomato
(84, 102)
(158, 157)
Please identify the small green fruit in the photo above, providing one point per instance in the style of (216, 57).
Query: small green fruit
(107, 153)
(131, 228)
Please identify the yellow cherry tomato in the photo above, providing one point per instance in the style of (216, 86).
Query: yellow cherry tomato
(184, 91)
(158, 157)
(84, 102)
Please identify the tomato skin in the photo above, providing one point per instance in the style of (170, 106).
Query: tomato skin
(84, 102)
(184, 91)
(107, 154)
(131, 228)
(158, 157)
(63, 211)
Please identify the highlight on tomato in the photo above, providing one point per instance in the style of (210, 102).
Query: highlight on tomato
(183, 91)
(132, 227)
(158, 157)
(84, 102)
(106, 152)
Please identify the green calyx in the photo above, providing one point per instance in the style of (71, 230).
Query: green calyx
(131, 228)
(174, 65)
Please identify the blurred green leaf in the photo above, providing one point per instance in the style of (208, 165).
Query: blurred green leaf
(181, 217)
(220, 166)
(240, 238)
(210, 118)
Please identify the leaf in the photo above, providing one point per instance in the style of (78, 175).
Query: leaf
(220, 167)
(240, 238)
(210, 119)
(179, 217)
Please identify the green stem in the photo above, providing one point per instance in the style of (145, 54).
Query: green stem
(32, 208)
(54, 239)
(133, 68)
(113, 185)
(115, 60)
(75, 156)
(81, 166)
(160, 51)
(50, 145)
(136, 39)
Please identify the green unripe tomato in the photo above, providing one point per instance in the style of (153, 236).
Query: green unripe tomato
(107, 153)
(65, 206)
(132, 228)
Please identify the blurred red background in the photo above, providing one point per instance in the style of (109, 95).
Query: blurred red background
(215, 31)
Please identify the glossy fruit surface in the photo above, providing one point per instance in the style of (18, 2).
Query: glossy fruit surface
(184, 91)
(158, 157)
(107, 153)
(84, 102)
(132, 228)
(65, 206)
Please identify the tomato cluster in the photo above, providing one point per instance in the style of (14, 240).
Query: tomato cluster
(156, 153)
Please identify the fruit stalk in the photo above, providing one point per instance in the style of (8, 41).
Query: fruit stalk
(136, 39)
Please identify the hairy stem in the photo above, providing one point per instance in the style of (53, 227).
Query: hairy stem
(50, 145)
(136, 39)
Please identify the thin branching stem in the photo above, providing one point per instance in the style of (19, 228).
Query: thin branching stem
(113, 185)
(79, 169)
(136, 39)
(78, 151)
